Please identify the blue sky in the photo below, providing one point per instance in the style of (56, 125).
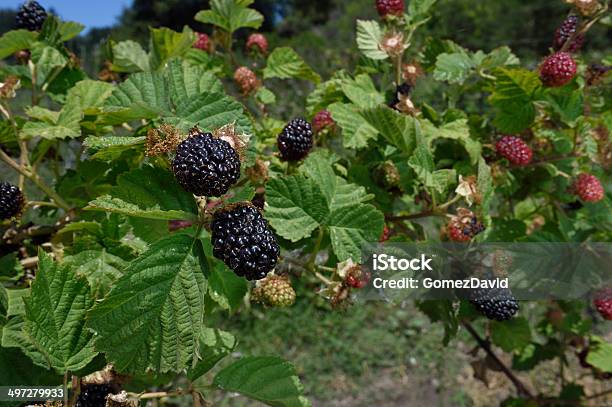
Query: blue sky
(92, 13)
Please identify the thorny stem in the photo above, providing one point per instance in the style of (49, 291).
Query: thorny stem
(487, 348)
(546, 160)
(436, 211)
(157, 395)
(35, 178)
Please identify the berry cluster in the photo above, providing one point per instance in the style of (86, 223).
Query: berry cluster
(203, 42)
(257, 42)
(603, 303)
(514, 150)
(93, 395)
(494, 303)
(588, 188)
(388, 8)
(464, 226)
(558, 69)
(205, 165)
(11, 201)
(31, 16)
(242, 238)
(295, 141)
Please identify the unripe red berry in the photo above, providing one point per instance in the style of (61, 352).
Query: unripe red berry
(387, 8)
(588, 188)
(323, 120)
(514, 150)
(603, 303)
(202, 42)
(258, 42)
(246, 80)
(558, 69)
(564, 33)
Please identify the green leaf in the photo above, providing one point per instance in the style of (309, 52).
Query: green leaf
(352, 227)
(230, 15)
(318, 167)
(499, 57)
(183, 95)
(148, 192)
(456, 130)
(356, 131)
(399, 130)
(13, 336)
(152, 317)
(511, 335)
(453, 67)
(362, 92)
(129, 56)
(295, 206)
(418, 11)
(108, 148)
(167, 44)
(600, 355)
(55, 316)
(48, 60)
(99, 267)
(210, 111)
(512, 96)
(187, 81)
(16, 40)
(69, 29)
(285, 63)
(86, 96)
(16, 305)
(265, 96)
(142, 96)
(485, 184)
(270, 380)
(225, 287)
(214, 346)
(369, 38)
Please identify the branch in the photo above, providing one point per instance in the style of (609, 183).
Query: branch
(487, 348)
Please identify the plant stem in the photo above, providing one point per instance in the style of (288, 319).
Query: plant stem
(424, 214)
(36, 180)
(157, 395)
(66, 388)
(487, 348)
(313, 256)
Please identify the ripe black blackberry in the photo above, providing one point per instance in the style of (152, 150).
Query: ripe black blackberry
(11, 201)
(205, 165)
(494, 303)
(242, 238)
(295, 141)
(93, 395)
(31, 16)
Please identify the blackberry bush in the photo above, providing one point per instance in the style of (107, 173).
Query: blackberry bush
(138, 246)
